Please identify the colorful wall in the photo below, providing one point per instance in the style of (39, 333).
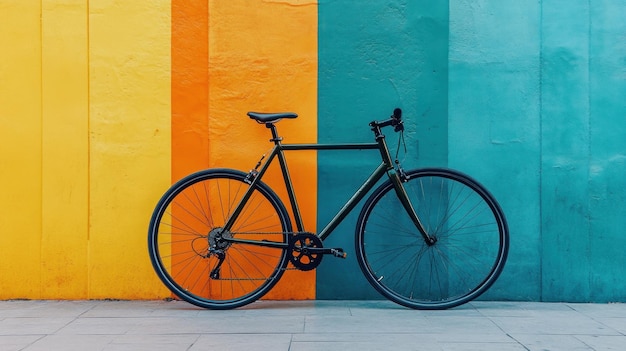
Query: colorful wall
(105, 103)
(85, 113)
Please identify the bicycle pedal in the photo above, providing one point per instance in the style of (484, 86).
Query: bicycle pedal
(339, 253)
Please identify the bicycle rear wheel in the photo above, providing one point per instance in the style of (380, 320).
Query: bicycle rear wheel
(471, 240)
(188, 220)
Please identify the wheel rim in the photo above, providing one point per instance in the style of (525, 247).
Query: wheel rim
(188, 221)
(469, 253)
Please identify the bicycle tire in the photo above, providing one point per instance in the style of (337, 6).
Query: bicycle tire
(467, 258)
(184, 224)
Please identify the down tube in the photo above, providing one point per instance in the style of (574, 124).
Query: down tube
(353, 201)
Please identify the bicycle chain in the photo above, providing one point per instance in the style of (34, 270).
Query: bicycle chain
(301, 261)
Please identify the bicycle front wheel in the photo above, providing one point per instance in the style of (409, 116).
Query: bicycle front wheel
(189, 249)
(461, 215)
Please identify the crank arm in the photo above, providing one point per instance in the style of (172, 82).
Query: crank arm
(337, 252)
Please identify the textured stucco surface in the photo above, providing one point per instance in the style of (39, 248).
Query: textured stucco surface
(104, 103)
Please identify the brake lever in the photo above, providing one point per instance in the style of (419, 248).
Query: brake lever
(399, 127)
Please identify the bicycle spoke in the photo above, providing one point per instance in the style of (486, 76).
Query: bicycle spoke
(190, 248)
(466, 257)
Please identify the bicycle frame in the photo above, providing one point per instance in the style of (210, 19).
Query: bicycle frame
(279, 149)
(220, 238)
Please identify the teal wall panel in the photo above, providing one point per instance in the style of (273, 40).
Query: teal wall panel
(494, 123)
(528, 97)
(375, 56)
(607, 180)
(565, 151)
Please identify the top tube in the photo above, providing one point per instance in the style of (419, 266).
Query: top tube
(356, 146)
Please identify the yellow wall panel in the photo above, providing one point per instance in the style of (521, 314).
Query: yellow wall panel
(85, 113)
(64, 149)
(20, 155)
(129, 93)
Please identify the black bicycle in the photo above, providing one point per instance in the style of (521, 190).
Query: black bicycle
(429, 238)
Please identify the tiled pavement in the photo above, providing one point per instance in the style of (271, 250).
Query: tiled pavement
(309, 325)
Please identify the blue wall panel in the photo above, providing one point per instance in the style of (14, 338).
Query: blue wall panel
(375, 56)
(526, 97)
(607, 180)
(494, 123)
(565, 151)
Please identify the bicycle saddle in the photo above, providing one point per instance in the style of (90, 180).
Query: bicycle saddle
(271, 117)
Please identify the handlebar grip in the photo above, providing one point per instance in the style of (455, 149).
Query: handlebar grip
(397, 113)
(395, 120)
(397, 117)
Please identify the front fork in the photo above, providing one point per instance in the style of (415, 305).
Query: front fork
(398, 176)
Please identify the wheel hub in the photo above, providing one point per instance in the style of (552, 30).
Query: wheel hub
(217, 239)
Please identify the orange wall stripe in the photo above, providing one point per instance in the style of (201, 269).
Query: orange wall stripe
(246, 61)
(190, 86)
(264, 58)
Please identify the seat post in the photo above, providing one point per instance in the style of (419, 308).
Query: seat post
(275, 138)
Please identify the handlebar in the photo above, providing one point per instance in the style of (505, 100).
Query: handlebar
(395, 120)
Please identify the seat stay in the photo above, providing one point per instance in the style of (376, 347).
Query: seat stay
(253, 178)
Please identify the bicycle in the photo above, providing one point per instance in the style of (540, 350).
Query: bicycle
(430, 238)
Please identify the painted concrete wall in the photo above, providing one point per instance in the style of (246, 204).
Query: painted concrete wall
(495, 117)
(375, 56)
(537, 112)
(104, 103)
(85, 120)
(264, 58)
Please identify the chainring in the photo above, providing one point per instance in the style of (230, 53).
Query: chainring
(300, 254)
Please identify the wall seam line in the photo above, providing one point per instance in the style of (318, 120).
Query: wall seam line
(88, 136)
(541, 241)
(41, 138)
(589, 136)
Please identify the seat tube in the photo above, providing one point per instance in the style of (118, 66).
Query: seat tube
(279, 152)
(290, 191)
